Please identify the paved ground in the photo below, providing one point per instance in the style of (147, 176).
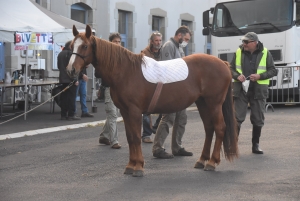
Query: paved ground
(42, 118)
(71, 165)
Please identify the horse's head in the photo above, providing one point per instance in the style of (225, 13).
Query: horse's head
(83, 47)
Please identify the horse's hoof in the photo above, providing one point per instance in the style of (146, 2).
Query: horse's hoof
(209, 167)
(138, 173)
(128, 171)
(199, 165)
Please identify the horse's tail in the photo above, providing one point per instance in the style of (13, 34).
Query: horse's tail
(230, 140)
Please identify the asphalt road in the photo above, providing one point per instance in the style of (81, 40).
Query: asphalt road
(71, 165)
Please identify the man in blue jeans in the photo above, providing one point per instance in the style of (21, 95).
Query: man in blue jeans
(81, 89)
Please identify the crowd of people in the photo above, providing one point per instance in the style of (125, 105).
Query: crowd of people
(252, 66)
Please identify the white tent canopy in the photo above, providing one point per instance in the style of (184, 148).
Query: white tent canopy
(27, 16)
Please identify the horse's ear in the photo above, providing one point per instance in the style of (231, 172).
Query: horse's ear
(75, 32)
(88, 31)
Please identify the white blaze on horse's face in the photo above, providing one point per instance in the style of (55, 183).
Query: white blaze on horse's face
(71, 65)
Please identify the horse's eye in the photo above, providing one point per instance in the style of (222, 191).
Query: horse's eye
(85, 47)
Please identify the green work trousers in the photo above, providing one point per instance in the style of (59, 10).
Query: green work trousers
(257, 107)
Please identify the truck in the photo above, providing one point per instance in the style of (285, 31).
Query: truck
(277, 24)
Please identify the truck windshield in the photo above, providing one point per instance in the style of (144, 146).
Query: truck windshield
(260, 16)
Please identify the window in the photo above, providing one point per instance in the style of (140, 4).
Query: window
(185, 23)
(125, 20)
(122, 22)
(123, 27)
(208, 44)
(156, 23)
(79, 12)
(42, 3)
(188, 24)
(235, 18)
(298, 14)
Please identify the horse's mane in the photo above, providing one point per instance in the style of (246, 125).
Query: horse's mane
(111, 55)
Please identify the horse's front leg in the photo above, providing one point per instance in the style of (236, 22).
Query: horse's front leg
(133, 120)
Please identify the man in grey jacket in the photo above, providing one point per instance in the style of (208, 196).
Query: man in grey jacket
(172, 49)
(252, 62)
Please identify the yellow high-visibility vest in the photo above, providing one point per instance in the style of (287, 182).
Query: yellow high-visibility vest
(262, 67)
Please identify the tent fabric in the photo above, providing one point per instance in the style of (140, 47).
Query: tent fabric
(26, 16)
(62, 20)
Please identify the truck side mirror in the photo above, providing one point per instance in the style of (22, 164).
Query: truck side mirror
(205, 18)
(205, 31)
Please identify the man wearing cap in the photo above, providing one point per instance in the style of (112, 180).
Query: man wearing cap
(252, 61)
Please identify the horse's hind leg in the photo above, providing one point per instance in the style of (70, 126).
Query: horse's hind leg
(133, 121)
(209, 131)
(219, 127)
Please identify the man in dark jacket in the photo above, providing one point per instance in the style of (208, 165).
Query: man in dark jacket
(254, 64)
(68, 97)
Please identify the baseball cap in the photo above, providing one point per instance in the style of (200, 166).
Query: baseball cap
(250, 36)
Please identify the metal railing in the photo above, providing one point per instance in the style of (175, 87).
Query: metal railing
(284, 88)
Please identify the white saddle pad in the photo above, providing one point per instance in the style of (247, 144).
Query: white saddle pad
(164, 71)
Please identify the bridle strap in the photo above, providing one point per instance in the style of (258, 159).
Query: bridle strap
(82, 57)
(94, 50)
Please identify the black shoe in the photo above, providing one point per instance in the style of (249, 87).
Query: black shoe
(73, 118)
(63, 118)
(104, 141)
(163, 155)
(256, 149)
(86, 115)
(182, 152)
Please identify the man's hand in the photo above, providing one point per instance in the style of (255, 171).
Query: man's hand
(241, 78)
(254, 77)
(85, 77)
(76, 83)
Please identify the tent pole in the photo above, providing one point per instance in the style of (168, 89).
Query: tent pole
(25, 78)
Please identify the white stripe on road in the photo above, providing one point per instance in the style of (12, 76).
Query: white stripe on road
(54, 129)
(61, 128)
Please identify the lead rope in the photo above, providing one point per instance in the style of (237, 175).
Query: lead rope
(67, 87)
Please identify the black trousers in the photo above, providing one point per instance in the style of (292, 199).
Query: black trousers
(68, 99)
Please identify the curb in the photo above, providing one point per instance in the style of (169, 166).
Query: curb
(54, 129)
(61, 128)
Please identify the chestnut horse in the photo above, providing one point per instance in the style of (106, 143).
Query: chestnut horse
(208, 84)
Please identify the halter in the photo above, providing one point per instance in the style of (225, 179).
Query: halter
(82, 57)
(93, 53)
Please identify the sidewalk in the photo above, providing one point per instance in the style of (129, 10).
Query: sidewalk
(42, 118)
